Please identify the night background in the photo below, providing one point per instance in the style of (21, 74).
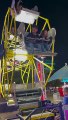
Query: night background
(57, 13)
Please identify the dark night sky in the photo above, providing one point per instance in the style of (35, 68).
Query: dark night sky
(57, 13)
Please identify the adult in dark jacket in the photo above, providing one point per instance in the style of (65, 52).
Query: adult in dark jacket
(32, 40)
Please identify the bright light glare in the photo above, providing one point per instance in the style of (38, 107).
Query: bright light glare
(11, 37)
(21, 55)
(26, 17)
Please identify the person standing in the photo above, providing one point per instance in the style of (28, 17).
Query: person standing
(65, 98)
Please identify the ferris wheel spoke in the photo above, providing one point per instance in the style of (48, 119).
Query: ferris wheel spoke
(48, 77)
(22, 75)
(28, 76)
(43, 63)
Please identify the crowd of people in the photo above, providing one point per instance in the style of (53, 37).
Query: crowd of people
(62, 91)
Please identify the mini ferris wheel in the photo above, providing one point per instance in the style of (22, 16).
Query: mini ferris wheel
(33, 67)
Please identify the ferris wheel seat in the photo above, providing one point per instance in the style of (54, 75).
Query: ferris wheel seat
(27, 16)
(38, 49)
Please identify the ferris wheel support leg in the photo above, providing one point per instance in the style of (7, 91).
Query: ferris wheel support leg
(48, 78)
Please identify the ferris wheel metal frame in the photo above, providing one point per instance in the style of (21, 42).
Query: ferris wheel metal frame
(8, 65)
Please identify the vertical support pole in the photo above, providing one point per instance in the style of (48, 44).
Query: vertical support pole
(43, 69)
(32, 77)
(43, 80)
(14, 90)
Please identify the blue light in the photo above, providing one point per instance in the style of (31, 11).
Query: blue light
(64, 80)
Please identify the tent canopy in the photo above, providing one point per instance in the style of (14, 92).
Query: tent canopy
(60, 74)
